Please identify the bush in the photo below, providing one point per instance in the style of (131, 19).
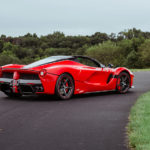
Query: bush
(57, 51)
(7, 58)
(130, 48)
(106, 52)
(132, 60)
(144, 54)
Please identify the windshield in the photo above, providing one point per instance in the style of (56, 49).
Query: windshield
(46, 61)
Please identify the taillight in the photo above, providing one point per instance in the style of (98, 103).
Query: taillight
(0, 72)
(43, 73)
(16, 75)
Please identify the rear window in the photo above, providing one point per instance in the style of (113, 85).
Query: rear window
(46, 61)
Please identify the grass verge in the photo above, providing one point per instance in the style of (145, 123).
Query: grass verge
(137, 70)
(139, 124)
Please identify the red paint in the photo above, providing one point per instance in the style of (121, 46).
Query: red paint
(16, 75)
(0, 71)
(31, 83)
(86, 78)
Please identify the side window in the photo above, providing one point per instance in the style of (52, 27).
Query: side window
(87, 62)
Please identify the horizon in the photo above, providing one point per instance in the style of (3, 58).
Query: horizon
(125, 30)
(80, 17)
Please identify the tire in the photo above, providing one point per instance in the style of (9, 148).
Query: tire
(13, 95)
(64, 88)
(123, 82)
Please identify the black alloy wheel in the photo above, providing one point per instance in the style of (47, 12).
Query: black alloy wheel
(65, 86)
(123, 82)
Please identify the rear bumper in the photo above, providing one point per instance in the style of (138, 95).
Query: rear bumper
(21, 86)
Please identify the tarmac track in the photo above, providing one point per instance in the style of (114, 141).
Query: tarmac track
(86, 122)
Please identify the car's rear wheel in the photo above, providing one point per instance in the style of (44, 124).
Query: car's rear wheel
(123, 82)
(65, 86)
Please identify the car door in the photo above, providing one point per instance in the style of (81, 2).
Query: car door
(94, 78)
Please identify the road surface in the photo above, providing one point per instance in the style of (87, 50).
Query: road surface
(86, 122)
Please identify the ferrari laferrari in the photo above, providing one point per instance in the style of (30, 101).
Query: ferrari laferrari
(63, 76)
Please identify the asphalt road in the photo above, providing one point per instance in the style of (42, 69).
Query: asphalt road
(87, 122)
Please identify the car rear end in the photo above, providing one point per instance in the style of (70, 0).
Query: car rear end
(20, 81)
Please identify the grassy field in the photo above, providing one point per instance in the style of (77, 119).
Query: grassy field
(137, 70)
(139, 124)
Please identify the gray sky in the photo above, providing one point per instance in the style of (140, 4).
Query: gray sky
(73, 17)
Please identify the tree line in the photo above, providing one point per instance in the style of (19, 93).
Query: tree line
(129, 48)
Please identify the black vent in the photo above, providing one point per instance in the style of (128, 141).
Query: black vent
(7, 75)
(109, 78)
(29, 76)
(26, 89)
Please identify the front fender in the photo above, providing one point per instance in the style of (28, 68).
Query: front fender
(121, 69)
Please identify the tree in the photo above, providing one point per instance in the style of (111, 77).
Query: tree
(144, 53)
(57, 51)
(106, 52)
(128, 48)
(131, 33)
(1, 46)
(132, 60)
(99, 38)
(8, 58)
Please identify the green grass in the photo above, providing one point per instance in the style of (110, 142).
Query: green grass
(137, 70)
(139, 124)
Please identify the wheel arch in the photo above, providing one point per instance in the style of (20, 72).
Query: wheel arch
(72, 78)
(56, 85)
(68, 74)
(125, 72)
(122, 69)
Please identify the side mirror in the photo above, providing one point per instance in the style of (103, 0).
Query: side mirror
(110, 65)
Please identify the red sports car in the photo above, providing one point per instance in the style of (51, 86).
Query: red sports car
(63, 76)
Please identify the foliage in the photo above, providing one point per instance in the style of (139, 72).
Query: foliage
(139, 125)
(139, 70)
(105, 52)
(128, 48)
(132, 60)
(8, 58)
(1, 45)
(144, 53)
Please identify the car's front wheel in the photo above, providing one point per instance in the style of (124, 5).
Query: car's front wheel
(64, 86)
(123, 82)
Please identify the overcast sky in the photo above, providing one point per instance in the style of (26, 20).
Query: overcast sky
(73, 17)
